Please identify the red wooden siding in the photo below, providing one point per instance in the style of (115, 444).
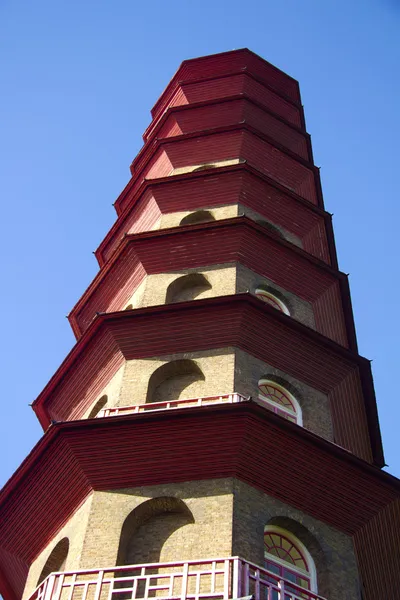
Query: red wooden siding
(237, 241)
(88, 378)
(220, 66)
(242, 84)
(241, 144)
(147, 216)
(229, 113)
(328, 313)
(112, 293)
(239, 320)
(377, 546)
(241, 440)
(221, 187)
(348, 408)
(223, 64)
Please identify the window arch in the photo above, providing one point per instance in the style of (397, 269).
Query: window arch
(288, 558)
(99, 405)
(272, 300)
(56, 560)
(279, 400)
(200, 216)
(175, 380)
(187, 287)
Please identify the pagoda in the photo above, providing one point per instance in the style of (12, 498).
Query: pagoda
(213, 433)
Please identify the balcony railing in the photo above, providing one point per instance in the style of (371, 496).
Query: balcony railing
(188, 403)
(208, 579)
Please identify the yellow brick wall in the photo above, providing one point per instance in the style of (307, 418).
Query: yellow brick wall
(332, 551)
(226, 518)
(210, 503)
(314, 404)
(153, 289)
(216, 365)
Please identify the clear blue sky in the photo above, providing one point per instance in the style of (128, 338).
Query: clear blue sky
(78, 79)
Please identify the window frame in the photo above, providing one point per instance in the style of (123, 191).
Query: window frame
(311, 575)
(298, 414)
(281, 305)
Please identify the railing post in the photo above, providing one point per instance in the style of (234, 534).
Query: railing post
(185, 573)
(282, 589)
(236, 579)
(99, 584)
(246, 580)
(49, 587)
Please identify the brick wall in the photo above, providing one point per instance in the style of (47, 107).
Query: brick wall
(210, 533)
(216, 365)
(220, 517)
(314, 404)
(331, 550)
(248, 280)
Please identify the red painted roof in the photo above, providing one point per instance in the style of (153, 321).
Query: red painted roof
(240, 440)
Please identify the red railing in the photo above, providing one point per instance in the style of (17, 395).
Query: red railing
(171, 404)
(219, 579)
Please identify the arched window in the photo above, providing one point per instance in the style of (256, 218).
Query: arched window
(288, 558)
(175, 380)
(56, 560)
(187, 287)
(200, 216)
(279, 400)
(272, 300)
(100, 404)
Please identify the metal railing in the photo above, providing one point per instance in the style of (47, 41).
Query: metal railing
(213, 579)
(171, 404)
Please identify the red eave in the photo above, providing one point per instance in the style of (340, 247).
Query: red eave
(180, 78)
(239, 440)
(234, 222)
(149, 149)
(224, 315)
(211, 173)
(153, 129)
(154, 143)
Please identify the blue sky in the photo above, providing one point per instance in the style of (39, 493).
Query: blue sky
(78, 80)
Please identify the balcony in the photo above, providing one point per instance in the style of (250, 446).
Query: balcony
(207, 579)
(172, 404)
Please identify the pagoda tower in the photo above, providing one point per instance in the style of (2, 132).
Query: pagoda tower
(213, 433)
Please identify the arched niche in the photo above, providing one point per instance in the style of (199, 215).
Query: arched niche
(187, 287)
(149, 533)
(98, 406)
(200, 216)
(271, 228)
(56, 560)
(174, 380)
(204, 167)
